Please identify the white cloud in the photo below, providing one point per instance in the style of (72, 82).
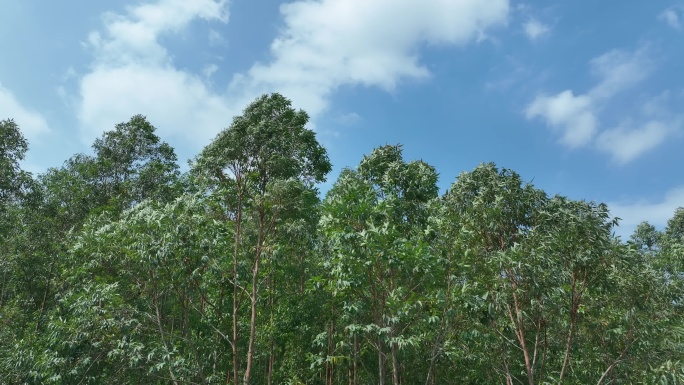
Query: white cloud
(177, 102)
(673, 17)
(133, 73)
(572, 115)
(656, 213)
(133, 38)
(627, 143)
(329, 43)
(618, 71)
(323, 45)
(534, 29)
(577, 117)
(33, 125)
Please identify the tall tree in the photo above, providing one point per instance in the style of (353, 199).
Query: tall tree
(130, 164)
(267, 145)
(373, 223)
(13, 147)
(533, 259)
(14, 183)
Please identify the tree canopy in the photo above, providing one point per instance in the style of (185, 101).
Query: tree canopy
(116, 268)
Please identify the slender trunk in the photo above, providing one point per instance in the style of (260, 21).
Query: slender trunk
(381, 363)
(441, 336)
(45, 294)
(509, 378)
(519, 328)
(271, 342)
(236, 249)
(433, 356)
(393, 344)
(255, 285)
(612, 366)
(252, 323)
(395, 362)
(575, 300)
(566, 360)
(161, 333)
(2, 289)
(378, 303)
(331, 353)
(355, 376)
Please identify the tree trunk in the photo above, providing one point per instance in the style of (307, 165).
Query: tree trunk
(381, 363)
(45, 294)
(355, 376)
(271, 342)
(236, 249)
(519, 328)
(161, 331)
(395, 362)
(252, 323)
(255, 285)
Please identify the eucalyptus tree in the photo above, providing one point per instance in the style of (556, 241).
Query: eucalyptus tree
(645, 237)
(492, 213)
(14, 183)
(129, 164)
(133, 164)
(560, 300)
(667, 258)
(13, 186)
(373, 224)
(671, 256)
(505, 230)
(13, 147)
(265, 150)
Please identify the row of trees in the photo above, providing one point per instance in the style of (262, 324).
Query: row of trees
(116, 268)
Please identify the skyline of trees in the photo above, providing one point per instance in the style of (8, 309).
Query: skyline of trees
(117, 268)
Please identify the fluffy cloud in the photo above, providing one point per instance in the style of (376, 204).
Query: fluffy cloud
(134, 37)
(656, 213)
(132, 73)
(570, 114)
(323, 45)
(177, 102)
(534, 29)
(329, 43)
(32, 124)
(577, 117)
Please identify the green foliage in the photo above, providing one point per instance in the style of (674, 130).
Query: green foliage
(116, 269)
(13, 147)
(378, 257)
(267, 142)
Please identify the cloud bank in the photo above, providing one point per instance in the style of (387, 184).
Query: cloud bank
(132, 72)
(329, 43)
(323, 45)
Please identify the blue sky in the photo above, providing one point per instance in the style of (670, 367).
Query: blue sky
(584, 98)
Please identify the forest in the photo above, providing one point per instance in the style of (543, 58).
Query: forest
(116, 268)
